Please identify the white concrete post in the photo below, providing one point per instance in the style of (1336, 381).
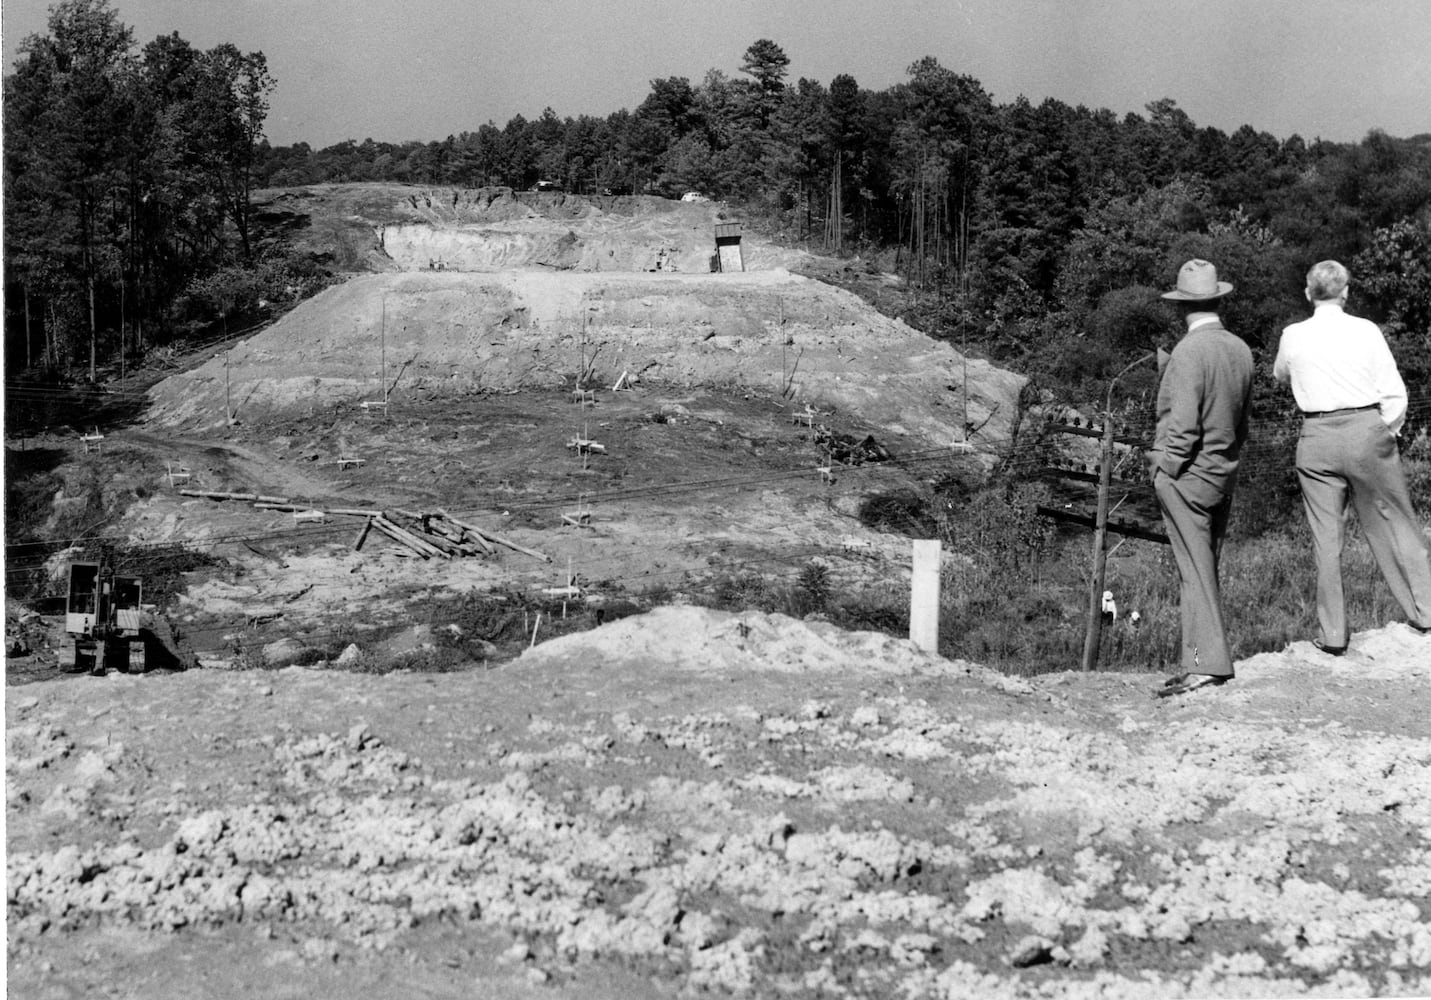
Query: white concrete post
(924, 596)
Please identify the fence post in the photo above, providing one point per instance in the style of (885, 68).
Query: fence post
(1094, 631)
(924, 596)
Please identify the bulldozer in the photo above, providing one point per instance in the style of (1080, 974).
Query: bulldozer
(103, 616)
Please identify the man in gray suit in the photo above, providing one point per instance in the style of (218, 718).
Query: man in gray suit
(1353, 403)
(1204, 397)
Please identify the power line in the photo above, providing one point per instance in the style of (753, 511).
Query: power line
(1025, 465)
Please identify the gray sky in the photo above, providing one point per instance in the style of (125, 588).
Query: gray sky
(395, 70)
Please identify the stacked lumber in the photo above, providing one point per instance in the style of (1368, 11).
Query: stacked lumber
(438, 533)
(429, 534)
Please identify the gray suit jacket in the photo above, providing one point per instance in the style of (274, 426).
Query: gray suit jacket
(1204, 399)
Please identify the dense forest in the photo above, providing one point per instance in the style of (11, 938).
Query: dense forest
(1034, 233)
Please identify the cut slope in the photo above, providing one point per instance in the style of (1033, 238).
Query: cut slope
(447, 332)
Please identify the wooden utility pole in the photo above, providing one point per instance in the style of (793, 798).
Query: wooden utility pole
(1094, 632)
(29, 363)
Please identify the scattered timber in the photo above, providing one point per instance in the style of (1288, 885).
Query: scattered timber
(221, 495)
(421, 546)
(508, 543)
(468, 529)
(427, 533)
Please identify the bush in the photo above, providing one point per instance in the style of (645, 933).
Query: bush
(903, 511)
(1416, 461)
(814, 585)
(742, 592)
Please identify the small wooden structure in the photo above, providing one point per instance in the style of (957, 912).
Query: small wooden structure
(728, 253)
(586, 446)
(177, 473)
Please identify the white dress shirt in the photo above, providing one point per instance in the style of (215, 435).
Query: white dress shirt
(1340, 362)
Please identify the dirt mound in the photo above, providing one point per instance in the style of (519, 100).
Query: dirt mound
(742, 804)
(443, 334)
(689, 638)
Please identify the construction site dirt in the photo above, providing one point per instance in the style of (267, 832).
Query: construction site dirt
(621, 793)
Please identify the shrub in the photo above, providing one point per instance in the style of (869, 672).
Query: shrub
(902, 511)
(814, 584)
(742, 592)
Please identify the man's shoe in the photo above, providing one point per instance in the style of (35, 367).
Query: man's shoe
(1185, 683)
(1329, 650)
(1423, 629)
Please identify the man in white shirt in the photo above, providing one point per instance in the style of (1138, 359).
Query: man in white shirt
(1353, 404)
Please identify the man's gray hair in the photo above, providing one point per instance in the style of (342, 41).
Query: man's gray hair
(1326, 281)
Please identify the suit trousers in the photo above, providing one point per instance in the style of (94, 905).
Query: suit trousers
(1352, 456)
(1196, 513)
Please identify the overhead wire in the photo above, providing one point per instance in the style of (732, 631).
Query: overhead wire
(1023, 465)
(1261, 442)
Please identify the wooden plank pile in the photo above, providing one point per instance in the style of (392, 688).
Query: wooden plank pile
(428, 534)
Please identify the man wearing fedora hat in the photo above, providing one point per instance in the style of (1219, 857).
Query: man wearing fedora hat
(1204, 397)
(1353, 403)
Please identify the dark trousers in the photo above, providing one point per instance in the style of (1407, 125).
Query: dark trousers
(1352, 456)
(1195, 513)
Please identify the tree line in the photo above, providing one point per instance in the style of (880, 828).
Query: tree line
(1035, 233)
(128, 176)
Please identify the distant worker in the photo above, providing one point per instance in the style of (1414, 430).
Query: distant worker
(1353, 404)
(1204, 397)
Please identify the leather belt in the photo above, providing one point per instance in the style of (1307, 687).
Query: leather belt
(1338, 413)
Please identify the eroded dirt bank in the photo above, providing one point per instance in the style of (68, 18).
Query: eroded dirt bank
(691, 800)
(447, 334)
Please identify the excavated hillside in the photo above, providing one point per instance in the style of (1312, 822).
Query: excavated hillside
(578, 785)
(494, 292)
(569, 374)
(452, 335)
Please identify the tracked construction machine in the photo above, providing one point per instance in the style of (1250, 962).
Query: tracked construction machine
(103, 616)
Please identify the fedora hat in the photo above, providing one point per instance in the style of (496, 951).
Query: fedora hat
(1197, 282)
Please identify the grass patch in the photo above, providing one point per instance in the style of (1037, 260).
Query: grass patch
(1014, 592)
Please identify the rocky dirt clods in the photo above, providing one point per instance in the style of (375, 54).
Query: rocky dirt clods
(737, 802)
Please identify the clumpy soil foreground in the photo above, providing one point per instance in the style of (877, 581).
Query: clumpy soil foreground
(698, 802)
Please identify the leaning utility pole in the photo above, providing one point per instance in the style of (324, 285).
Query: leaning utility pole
(1094, 633)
